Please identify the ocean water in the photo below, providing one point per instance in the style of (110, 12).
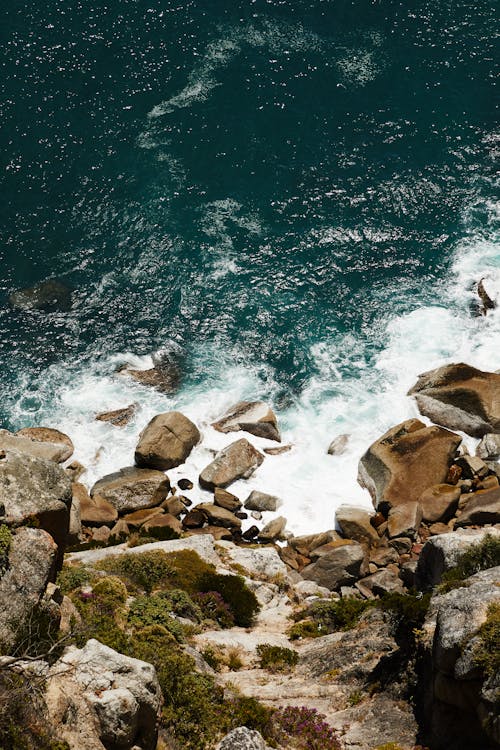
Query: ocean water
(295, 198)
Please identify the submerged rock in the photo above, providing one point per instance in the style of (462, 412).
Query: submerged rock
(460, 397)
(166, 441)
(118, 417)
(338, 446)
(255, 417)
(164, 379)
(47, 296)
(238, 460)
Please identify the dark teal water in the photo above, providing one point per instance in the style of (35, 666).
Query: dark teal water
(253, 183)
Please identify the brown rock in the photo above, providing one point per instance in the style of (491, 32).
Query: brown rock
(472, 467)
(165, 380)
(261, 501)
(237, 460)
(377, 520)
(132, 489)
(278, 451)
(161, 521)
(307, 543)
(166, 441)
(273, 530)
(405, 461)
(118, 417)
(174, 505)
(402, 545)
(382, 556)
(438, 528)
(139, 517)
(251, 533)
(74, 470)
(226, 499)
(218, 516)
(489, 447)
(460, 397)
(383, 582)
(355, 523)
(218, 532)
(101, 534)
(119, 530)
(454, 474)
(489, 483)
(185, 484)
(404, 520)
(439, 503)
(482, 507)
(94, 511)
(49, 435)
(195, 519)
(251, 416)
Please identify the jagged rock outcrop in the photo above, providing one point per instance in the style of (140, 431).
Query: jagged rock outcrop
(238, 460)
(405, 461)
(31, 565)
(166, 441)
(255, 417)
(460, 704)
(98, 698)
(132, 489)
(35, 490)
(460, 397)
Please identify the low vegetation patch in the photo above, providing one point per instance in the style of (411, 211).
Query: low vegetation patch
(145, 570)
(242, 602)
(276, 658)
(487, 652)
(479, 556)
(5, 540)
(305, 727)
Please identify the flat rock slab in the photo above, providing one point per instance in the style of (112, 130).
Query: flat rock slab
(255, 417)
(483, 507)
(166, 441)
(238, 460)
(51, 451)
(218, 516)
(460, 397)
(38, 489)
(49, 435)
(132, 489)
(405, 461)
(203, 545)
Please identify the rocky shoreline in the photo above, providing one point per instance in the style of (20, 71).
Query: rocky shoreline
(367, 621)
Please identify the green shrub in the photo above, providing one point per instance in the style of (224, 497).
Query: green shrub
(112, 590)
(234, 661)
(305, 629)
(212, 657)
(249, 712)
(479, 556)
(213, 607)
(408, 610)
(146, 570)
(487, 651)
(331, 615)
(72, 577)
(103, 614)
(188, 570)
(183, 606)
(5, 540)
(155, 609)
(236, 594)
(276, 658)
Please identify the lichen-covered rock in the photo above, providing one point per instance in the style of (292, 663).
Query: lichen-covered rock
(238, 460)
(166, 441)
(132, 489)
(254, 417)
(35, 490)
(243, 738)
(94, 694)
(31, 565)
(460, 397)
(263, 562)
(405, 461)
(441, 553)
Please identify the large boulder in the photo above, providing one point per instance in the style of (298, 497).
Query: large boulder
(405, 461)
(94, 511)
(95, 693)
(261, 501)
(337, 564)
(164, 377)
(439, 502)
(260, 562)
(35, 491)
(489, 447)
(461, 709)
(238, 460)
(23, 443)
(49, 435)
(251, 416)
(460, 397)
(31, 565)
(441, 553)
(47, 296)
(218, 516)
(166, 441)
(132, 489)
